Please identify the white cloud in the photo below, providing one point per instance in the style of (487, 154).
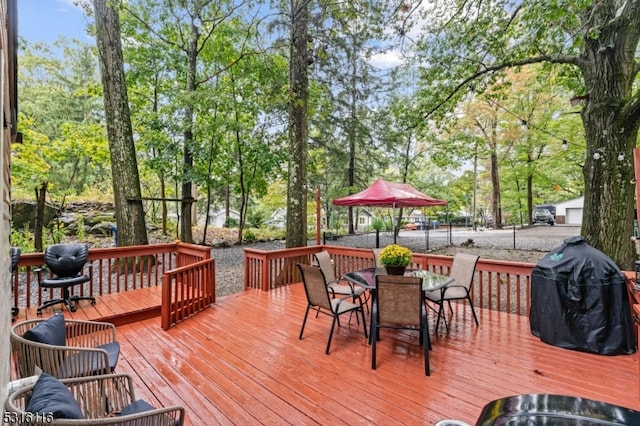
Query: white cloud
(386, 60)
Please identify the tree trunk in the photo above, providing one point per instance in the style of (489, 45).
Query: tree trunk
(495, 191)
(351, 135)
(163, 194)
(187, 186)
(41, 198)
(296, 233)
(124, 167)
(227, 204)
(188, 200)
(529, 188)
(610, 197)
(610, 118)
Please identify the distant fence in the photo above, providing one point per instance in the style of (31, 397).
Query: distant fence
(507, 238)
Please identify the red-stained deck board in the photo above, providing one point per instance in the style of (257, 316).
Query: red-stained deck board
(182, 368)
(119, 308)
(241, 362)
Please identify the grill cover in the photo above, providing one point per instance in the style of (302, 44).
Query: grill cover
(579, 301)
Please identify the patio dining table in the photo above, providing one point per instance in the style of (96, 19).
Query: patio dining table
(366, 278)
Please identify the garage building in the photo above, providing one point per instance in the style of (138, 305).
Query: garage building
(570, 212)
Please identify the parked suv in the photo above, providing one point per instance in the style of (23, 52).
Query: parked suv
(543, 216)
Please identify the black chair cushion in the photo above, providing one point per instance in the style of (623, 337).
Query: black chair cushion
(138, 406)
(113, 350)
(51, 331)
(93, 364)
(50, 395)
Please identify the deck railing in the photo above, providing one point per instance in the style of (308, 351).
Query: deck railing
(499, 284)
(186, 291)
(118, 269)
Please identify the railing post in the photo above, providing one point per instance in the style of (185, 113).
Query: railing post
(266, 270)
(165, 306)
(426, 234)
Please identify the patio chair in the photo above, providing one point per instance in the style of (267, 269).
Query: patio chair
(462, 269)
(98, 400)
(64, 347)
(66, 262)
(336, 286)
(318, 298)
(376, 257)
(399, 304)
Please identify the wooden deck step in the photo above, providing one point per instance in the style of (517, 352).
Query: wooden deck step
(117, 308)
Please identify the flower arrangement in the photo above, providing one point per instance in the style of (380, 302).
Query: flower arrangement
(395, 255)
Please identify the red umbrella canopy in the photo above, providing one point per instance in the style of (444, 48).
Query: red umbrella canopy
(389, 194)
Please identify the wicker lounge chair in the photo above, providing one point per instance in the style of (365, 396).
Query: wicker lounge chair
(81, 348)
(102, 400)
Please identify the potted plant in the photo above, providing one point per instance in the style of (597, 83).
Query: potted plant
(395, 258)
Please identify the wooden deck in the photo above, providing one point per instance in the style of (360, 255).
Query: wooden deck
(240, 362)
(118, 308)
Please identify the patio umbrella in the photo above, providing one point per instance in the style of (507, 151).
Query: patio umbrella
(389, 194)
(383, 193)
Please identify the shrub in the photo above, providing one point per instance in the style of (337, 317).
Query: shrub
(231, 222)
(250, 236)
(378, 224)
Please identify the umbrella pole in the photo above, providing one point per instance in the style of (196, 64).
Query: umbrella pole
(395, 225)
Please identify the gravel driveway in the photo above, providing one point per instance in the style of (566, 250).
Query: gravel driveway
(531, 244)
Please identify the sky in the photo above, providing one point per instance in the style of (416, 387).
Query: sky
(45, 20)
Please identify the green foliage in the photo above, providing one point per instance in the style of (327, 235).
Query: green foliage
(250, 236)
(55, 234)
(80, 231)
(231, 222)
(269, 234)
(60, 105)
(378, 224)
(256, 218)
(410, 122)
(23, 239)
